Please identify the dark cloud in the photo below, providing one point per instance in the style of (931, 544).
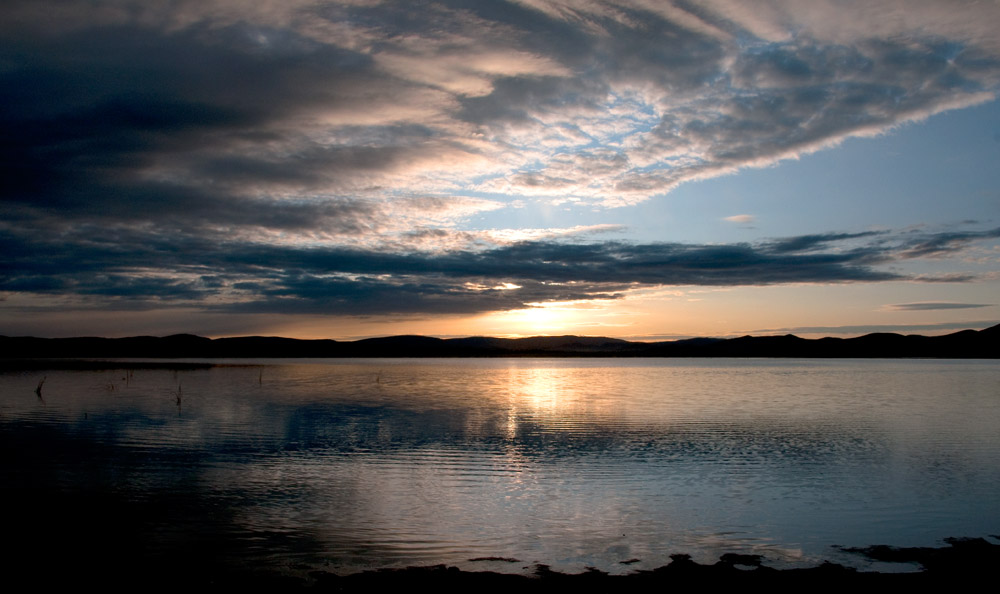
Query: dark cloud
(941, 244)
(120, 123)
(190, 270)
(377, 296)
(806, 243)
(933, 305)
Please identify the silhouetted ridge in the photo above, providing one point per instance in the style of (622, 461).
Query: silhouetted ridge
(965, 344)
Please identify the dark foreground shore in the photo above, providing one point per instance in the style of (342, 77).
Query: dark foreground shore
(972, 561)
(963, 560)
(56, 542)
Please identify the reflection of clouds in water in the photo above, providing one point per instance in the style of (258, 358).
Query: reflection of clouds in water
(541, 460)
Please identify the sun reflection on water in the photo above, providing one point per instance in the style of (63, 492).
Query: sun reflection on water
(567, 462)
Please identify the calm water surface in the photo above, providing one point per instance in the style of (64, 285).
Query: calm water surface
(351, 464)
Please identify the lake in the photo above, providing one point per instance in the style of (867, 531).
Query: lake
(498, 464)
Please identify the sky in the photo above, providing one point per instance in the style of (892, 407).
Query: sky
(640, 169)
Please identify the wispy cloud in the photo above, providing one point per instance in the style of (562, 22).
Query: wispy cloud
(933, 305)
(870, 328)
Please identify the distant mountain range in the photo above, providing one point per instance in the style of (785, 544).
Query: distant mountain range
(967, 344)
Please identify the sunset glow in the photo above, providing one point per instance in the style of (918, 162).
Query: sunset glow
(623, 168)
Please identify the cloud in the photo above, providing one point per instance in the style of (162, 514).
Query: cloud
(723, 103)
(324, 156)
(933, 305)
(942, 244)
(870, 328)
(151, 267)
(320, 99)
(806, 243)
(741, 218)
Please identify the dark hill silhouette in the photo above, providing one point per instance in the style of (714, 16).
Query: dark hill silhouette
(965, 344)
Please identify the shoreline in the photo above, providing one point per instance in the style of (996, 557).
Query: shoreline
(963, 559)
